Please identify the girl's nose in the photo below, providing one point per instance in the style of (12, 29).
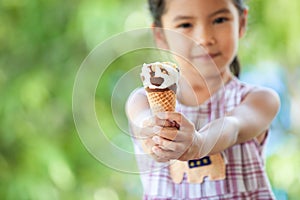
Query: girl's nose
(204, 37)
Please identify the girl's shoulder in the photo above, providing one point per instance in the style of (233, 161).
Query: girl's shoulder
(254, 91)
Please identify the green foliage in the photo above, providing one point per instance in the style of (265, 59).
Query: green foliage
(42, 46)
(272, 33)
(43, 43)
(282, 169)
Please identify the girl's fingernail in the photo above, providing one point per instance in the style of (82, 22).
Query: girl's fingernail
(156, 129)
(155, 139)
(155, 149)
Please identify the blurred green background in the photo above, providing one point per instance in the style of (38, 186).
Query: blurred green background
(42, 45)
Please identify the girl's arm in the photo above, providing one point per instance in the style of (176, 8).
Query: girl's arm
(137, 111)
(255, 114)
(137, 108)
(249, 120)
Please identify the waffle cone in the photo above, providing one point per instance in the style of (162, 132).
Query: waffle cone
(162, 101)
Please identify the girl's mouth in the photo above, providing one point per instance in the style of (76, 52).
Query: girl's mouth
(206, 57)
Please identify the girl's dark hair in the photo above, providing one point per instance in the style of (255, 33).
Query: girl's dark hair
(158, 8)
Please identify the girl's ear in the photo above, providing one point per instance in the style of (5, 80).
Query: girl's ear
(243, 23)
(159, 37)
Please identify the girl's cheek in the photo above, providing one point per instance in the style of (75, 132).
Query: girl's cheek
(179, 43)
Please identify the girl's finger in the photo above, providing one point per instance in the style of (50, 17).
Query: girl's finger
(166, 155)
(169, 119)
(159, 159)
(164, 144)
(169, 133)
(149, 121)
(146, 132)
(171, 116)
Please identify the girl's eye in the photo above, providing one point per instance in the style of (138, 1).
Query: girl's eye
(185, 25)
(220, 20)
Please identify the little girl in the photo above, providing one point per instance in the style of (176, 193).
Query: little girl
(222, 121)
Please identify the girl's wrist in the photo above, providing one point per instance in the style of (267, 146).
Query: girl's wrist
(194, 150)
(197, 145)
(217, 136)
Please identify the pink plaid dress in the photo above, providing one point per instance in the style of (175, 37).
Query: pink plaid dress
(245, 175)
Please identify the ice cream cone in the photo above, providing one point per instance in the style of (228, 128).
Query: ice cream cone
(161, 101)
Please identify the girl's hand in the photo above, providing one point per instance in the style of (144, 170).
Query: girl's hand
(166, 136)
(175, 137)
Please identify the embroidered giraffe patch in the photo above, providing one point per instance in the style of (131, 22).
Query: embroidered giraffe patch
(212, 167)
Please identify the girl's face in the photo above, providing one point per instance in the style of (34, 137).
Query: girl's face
(211, 26)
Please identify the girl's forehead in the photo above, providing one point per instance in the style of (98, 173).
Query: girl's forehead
(177, 7)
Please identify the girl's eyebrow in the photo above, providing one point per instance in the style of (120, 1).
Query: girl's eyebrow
(182, 17)
(220, 11)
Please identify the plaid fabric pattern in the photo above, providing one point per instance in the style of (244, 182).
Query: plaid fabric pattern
(245, 176)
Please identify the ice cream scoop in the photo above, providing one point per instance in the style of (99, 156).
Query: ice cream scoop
(160, 75)
(160, 80)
